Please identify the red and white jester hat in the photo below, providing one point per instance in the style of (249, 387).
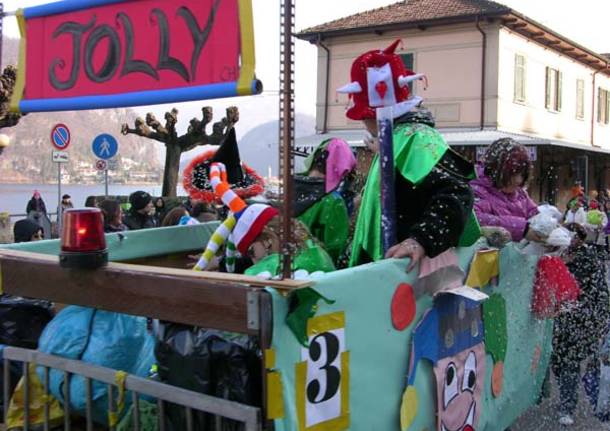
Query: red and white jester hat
(380, 78)
(242, 226)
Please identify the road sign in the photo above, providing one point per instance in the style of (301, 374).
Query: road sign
(101, 165)
(113, 164)
(60, 136)
(105, 146)
(60, 157)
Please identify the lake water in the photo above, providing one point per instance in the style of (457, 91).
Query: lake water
(14, 197)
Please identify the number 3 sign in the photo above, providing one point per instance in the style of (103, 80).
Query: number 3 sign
(322, 379)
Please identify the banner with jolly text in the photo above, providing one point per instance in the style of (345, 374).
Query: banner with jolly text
(92, 54)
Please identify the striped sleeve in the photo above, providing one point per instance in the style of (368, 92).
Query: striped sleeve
(216, 241)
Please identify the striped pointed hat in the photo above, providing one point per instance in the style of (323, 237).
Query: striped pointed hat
(241, 228)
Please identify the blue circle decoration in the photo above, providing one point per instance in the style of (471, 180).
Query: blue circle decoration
(105, 146)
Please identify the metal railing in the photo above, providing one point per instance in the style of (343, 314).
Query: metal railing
(24, 215)
(163, 393)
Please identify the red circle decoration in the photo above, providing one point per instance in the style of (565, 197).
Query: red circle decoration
(208, 196)
(497, 379)
(403, 307)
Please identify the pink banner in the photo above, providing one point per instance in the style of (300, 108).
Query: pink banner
(132, 46)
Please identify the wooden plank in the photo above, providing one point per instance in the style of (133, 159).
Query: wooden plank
(231, 279)
(210, 300)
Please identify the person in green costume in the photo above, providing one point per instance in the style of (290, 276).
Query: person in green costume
(321, 195)
(433, 200)
(265, 252)
(253, 231)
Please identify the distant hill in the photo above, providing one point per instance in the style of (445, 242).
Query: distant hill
(28, 158)
(259, 147)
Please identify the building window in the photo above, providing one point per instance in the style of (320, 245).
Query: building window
(407, 59)
(580, 99)
(519, 78)
(553, 89)
(603, 106)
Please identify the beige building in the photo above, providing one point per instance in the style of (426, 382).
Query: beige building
(492, 72)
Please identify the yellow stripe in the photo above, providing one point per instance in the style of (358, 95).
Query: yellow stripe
(248, 61)
(325, 323)
(341, 422)
(119, 379)
(300, 378)
(20, 82)
(269, 359)
(275, 399)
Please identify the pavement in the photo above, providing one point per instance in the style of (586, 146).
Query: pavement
(545, 417)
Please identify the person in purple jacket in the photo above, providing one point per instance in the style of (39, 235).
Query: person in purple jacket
(500, 198)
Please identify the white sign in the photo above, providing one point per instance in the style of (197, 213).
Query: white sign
(113, 164)
(60, 157)
(323, 379)
(468, 293)
(101, 165)
(533, 153)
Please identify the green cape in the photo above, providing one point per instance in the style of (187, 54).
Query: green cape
(328, 221)
(311, 259)
(417, 150)
(304, 301)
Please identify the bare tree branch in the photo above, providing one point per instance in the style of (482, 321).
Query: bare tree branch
(195, 135)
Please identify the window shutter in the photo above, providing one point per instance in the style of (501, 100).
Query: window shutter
(558, 101)
(407, 59)
(607, 116)
(519, 78)
(580, 99)
(547, 102)
(517, 81)
(599, 105)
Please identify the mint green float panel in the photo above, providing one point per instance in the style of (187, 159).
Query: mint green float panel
(138, 244)
(378, 359)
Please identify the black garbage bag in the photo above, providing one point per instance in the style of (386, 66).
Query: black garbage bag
(22, 320)
(217, 363)
(21, 323)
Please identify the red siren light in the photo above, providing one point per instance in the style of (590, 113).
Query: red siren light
(83, 244)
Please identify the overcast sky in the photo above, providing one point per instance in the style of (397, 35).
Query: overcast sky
(584, 21)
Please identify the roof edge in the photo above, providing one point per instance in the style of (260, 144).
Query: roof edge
(460, 19)
(563, 38)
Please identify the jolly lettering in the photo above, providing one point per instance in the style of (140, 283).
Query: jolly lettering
(86, 39)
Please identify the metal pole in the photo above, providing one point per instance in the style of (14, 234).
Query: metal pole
(106, 182)
(59, 211)
(286, 140)
(386, 161)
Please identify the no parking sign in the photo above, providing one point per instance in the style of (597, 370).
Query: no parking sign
(60, 137)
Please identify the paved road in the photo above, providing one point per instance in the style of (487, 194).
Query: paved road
(545, 417)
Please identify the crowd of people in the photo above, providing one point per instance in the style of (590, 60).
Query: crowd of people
(142, 211)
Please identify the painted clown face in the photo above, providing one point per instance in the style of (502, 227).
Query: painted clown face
(459, 387)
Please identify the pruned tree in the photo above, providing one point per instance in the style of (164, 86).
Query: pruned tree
(7, 118)
(175, 145)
